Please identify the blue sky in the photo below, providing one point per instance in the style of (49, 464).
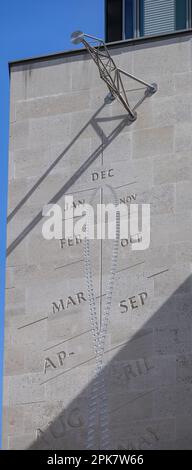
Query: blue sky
(31, 28)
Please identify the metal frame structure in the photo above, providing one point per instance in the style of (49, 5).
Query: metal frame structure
(109, 72)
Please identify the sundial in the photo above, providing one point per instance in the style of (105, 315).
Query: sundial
(82, 334)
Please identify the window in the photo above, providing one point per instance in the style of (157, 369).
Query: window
(127, 19)
(114, 20)
(128, 15)
(162, 16)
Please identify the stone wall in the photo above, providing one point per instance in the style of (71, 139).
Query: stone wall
(62, 133)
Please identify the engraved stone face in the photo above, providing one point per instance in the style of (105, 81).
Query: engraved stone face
(66, 140)
(133, 302)
(64, 304)
(103, 174)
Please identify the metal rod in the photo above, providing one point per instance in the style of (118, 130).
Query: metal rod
(148, 85)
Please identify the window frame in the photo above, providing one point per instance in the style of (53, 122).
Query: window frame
(137, 33)
(137, 19)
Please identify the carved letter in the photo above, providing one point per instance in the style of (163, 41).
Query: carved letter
(42, 437)
(62, 242)
(70, 301)
(95, 176)
(133, 302)
(147, 365)
(47, 364)
(139, 368)
(153, 433)
(80, 296)
(110, 172)
(75, 420)
(123, 305)
(103, 174)
(70, 242)
(56, 433)
(143, 296)
(122, 200)
(78, 240)
(58, 307)
(61, 356)
(129, 371)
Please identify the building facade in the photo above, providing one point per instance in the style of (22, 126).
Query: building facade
(66, 138)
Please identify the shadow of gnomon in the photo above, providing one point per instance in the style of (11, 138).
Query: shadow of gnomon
(106, 140)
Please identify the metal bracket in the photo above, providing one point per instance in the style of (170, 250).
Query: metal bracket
(109, 72)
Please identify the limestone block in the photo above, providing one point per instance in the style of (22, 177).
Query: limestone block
(153, 142)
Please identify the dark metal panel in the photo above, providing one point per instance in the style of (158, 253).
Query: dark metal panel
(113, 20)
